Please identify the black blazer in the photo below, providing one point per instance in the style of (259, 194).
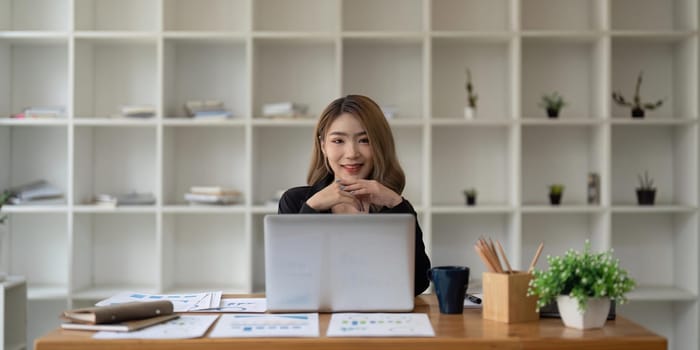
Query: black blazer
(294, 202)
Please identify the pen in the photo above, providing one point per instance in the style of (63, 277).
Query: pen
(474, 299)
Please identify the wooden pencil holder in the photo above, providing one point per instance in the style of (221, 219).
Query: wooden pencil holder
(505, 297)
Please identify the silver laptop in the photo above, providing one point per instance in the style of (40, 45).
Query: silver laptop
(334, 263)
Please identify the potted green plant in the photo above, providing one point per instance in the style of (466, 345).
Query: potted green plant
(646, 192)
(470, 195)
(582, 285)
(553, 103)
(4, 198)
(470, 109)
(556, 191)
(637, 106)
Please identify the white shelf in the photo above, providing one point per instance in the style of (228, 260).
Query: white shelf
(93, 57)
(660, 293)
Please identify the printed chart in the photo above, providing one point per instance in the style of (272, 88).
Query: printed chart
(267, 325)
(380, 325)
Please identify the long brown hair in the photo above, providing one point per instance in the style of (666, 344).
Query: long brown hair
(386, 169)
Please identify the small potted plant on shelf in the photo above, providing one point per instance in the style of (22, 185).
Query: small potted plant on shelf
(637, 106)
(582, 285)
(646, 192)
(470, 109)
(470, 194)
(553, 103)
(555, 193)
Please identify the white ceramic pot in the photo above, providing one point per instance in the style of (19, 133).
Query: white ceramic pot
(469, 112)
(594, 317)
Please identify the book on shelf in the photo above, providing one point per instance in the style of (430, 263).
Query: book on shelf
(126, 326)
(40, 190)
(284, 110)
(194, 106)
(132, 198)
(212, 199)
(214, 190)
(138, 111)
(213, 114)
(41, 112)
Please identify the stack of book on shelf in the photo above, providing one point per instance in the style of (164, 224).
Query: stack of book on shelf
(212, 195)
(35, 193)
(120, 317)
(37, 112)
(284, 110)
(138, 111)
(206, 109)
(390, 111)
(132, 198)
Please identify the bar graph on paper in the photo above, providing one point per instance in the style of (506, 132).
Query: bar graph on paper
(266, 325)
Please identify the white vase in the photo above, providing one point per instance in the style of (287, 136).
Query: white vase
(594, 317)
(469, 112)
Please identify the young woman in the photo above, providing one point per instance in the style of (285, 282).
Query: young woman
(354, 169)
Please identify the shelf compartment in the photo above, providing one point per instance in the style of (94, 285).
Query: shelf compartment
(560, 233)
(23, 15)
(568, 15)
(121, 15)
(669, 70)
(563, 155)
(660, 294)
(277, 149)
(671, 240)
(454, 236)
(490, 66)
(382, 15)
(409, 148)
(471, 15)
(32, 153)
(109, 75)
(674, 321)
(296, 15)
(308, 75)
(472, 210)
(665, 152)
(375, 67)
(573, 69)
(465, 157)
(212, 70)
(667, 15)
(36, 75)
(205, 252)
(113, 253)
(113, 160)
(46, 267)
(203, 157)
(206, 15)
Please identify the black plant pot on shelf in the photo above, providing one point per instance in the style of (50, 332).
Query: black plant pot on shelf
(555, 199)
(637, 113)
(646, 197)
(552, 112)
(471, 200)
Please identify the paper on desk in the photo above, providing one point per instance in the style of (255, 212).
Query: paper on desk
(181, 302)
(266, 325)
(184, 327)
(251, 305)
(380, 325)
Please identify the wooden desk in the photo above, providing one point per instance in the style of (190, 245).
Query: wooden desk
(467, 331)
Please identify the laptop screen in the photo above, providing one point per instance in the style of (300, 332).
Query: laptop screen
(317, 262)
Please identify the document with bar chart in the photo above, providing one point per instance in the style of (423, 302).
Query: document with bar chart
(266, 325)
(380, 325)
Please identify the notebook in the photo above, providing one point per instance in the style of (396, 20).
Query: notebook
(339, 263)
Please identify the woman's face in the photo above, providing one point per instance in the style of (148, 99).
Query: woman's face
(346, 146)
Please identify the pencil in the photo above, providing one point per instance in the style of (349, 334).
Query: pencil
(537, 256)
(505, 258)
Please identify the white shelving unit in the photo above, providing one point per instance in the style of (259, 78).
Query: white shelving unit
(13, 304)
(93, 56)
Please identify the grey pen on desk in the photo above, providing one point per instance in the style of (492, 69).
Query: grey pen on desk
(474, 299)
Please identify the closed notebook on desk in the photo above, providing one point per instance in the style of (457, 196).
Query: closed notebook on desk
(119, 312)
(334, 263)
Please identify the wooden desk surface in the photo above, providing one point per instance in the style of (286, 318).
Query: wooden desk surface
(466, 331)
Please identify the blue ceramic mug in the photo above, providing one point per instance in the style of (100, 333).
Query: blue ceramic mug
(450, 286)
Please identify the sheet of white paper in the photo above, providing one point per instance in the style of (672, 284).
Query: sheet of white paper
(266, 325)
(380, 325)
(184, 327)
(181, 302)
(468, 304)
(239, 305)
